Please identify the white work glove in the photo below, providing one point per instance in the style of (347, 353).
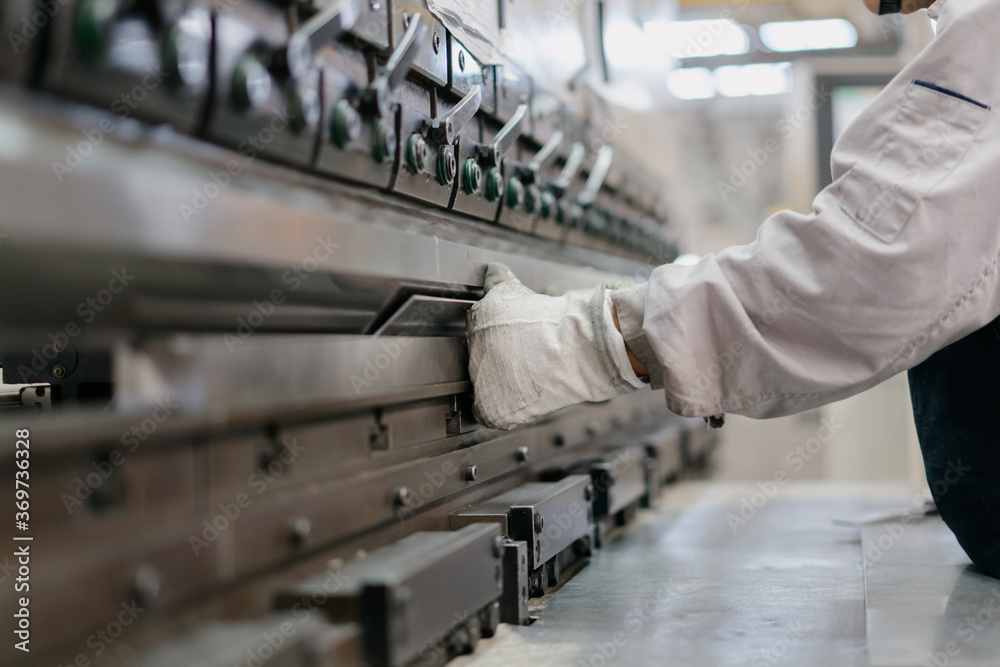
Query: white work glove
(531, 354)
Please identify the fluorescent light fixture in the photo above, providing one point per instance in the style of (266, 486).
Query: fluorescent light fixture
(809, 35)
(691, 83)
(698, 39)
(759, 79)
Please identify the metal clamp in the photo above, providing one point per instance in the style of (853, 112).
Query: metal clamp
(445, 129)
(509, 134)
(378, 95)
(602, 165)
(542, 157)
(572, 166)
(324, 27)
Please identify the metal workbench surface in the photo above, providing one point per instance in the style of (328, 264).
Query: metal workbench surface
(706, 579)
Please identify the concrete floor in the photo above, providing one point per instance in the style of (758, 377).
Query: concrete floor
(708, 579)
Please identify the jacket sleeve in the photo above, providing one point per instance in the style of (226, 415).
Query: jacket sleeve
(897, 259)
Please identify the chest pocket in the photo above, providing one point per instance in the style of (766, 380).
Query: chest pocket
(931, 132)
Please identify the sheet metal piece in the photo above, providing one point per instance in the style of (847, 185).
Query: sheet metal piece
(430, 316)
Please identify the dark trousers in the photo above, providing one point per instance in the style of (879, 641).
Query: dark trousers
(956, 406)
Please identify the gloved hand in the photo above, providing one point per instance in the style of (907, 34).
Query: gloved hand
(531, 354)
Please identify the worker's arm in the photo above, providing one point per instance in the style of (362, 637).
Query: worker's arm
(897, 259)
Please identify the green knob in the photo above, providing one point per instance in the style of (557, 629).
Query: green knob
(252, 84)
(417, 153)
(345, 124)
(494, 184)
(447, 165)
(93, 21)
(472, 176)
(515, 193)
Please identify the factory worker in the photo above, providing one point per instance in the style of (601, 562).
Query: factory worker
(894, 269)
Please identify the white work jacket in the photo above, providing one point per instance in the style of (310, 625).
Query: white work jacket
(897, 259)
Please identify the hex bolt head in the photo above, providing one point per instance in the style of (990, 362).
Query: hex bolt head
(470, 473)
(539, 523)
(521, 454)
(436, 42)
(59, 371)
(461, 60)
(300, 528)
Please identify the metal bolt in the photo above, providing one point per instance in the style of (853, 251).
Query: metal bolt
(593, 428)
(417, 153)
(515, 192)
(494, 184)
(59, 371)
(301, 527)
(186, 52)
(345, 124)
(384, 148)
(539, 523)
(306, 109)
(447, 166)
(252, 84)
(461, 60)
(472, 176)
(148, 584)
(521, 454)
(470, 472)
(559, 440)
(400, 495)
(436, 42)
(93, 22)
